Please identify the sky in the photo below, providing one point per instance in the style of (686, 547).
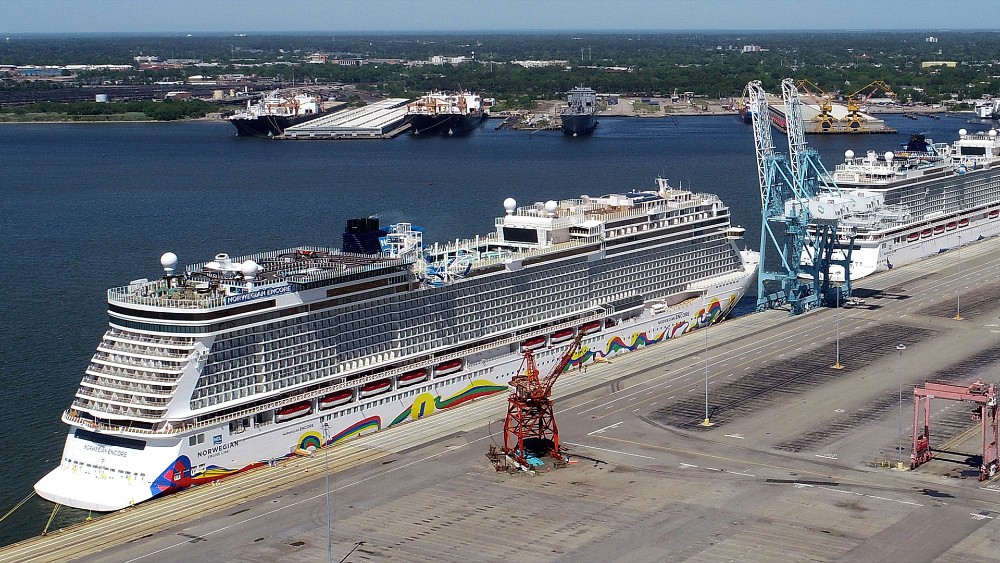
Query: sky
(247, 16)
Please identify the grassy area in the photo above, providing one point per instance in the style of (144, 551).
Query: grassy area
(642, 107)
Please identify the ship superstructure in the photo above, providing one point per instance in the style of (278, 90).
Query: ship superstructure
(447, 113)
(903, 206)
(237, 362)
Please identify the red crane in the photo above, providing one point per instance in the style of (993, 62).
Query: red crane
(529, 407)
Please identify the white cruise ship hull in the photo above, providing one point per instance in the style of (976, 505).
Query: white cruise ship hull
(108, 477)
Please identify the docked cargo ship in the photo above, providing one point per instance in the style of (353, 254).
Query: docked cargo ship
(234, 363)
(580, 115)
(270, 115)
(904, 206)
(449, 114)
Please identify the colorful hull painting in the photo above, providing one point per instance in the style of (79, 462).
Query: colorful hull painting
(225, 452)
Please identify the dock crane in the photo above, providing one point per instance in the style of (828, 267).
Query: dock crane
(825, 119)
(854, 121)
(787, 188)
(529, 407)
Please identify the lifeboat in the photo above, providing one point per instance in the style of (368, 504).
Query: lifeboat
(963, 223)
(951, 226)
(335, 399)
(292, 411)
(608, 323)
(447, 367)
(590, 327)
(938, 229)
(925, 233)
(375, 387)
(994, 214)
(912, 237)
(532, 343)
(562, 335)
(412, 377)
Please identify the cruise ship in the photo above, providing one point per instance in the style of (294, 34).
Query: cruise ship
(234, 363)
(903, 206)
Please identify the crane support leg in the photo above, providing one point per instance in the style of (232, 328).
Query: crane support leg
(985, 412)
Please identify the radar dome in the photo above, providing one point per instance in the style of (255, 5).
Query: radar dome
(551, 206)
(963, 132)
(993, 132)
(510, 204)
(889, 156)
(250, 269)
(848, 153)
(169, 262)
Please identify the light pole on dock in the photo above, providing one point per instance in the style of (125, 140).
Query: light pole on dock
(329, 513)
(838, 365)
(707, 320)
(899, 437)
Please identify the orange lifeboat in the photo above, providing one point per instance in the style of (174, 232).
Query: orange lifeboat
(532, 343)
(447, 367)
(292, 411)
(912, 237)
(590, 327)
(562, 335)
(335, 399)
(963, 223)
(412, 377)
(375, 388)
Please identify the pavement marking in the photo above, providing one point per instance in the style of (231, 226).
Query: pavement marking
(740, 473)
(827, 456)
(688, 465)
(607, 450)
(868, 496)
(737, 436)
(977, 516)
(601, 430)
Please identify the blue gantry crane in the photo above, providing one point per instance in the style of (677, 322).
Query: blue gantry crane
(804, 245)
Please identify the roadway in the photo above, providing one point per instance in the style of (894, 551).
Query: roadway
(800, 463)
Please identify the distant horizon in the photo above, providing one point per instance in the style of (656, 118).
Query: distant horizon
(446, 17)
(307, 33)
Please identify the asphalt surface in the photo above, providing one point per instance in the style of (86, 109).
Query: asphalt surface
(799, 465)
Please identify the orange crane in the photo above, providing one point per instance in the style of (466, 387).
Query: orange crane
(529, 408)
(854, 119)
(825, 118)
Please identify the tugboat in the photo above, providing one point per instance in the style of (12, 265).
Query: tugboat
(448, 114)
(580, 117)
(270, 115)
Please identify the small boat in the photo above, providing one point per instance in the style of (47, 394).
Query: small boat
(445, 368)
(590, 327)
(562, 335)
(994, 214)
(292, 411)
(925, 233)
(951, 226)
(375, 387)
(609, 322)
(912, 237)
(412, 377)
(963, 223)
(938, 229)
(335, 399)
(532, 343)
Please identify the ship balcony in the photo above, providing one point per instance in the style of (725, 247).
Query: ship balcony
(100, 410)
(133, 362)
(105, 384)
(126, 399)
(119, 405)
(131, 375)
(114, 346)
(174, 341)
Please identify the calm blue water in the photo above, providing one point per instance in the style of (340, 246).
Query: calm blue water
(86, 207)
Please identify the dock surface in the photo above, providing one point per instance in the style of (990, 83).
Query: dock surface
(799, 465)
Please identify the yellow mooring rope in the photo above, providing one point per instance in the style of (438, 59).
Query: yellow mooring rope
(18, 505)
(51, 517)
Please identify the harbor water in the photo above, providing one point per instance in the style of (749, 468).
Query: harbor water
(89, 206)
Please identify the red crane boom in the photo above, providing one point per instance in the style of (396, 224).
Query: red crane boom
(529, 407)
